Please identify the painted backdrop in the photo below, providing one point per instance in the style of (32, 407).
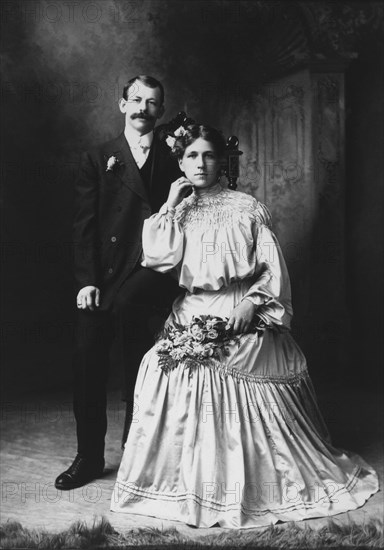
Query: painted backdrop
(287, 78)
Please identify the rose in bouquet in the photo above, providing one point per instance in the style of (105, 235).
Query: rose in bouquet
(204, 339)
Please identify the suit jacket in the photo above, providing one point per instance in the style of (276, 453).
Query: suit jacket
(110, 209)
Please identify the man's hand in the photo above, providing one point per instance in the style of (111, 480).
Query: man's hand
(88, 297)
(241, 317)
(177, 191)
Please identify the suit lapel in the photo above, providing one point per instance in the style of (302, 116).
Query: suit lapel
(128, 170)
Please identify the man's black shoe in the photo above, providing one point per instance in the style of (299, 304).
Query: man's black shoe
(81, 472)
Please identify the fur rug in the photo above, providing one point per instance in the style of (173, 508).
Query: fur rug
(102, 535)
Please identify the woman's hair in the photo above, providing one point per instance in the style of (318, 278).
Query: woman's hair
(194, 131)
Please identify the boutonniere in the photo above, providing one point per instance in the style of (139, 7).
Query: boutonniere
(112, 162)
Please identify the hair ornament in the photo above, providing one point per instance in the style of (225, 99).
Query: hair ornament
(173, 137)
(179, 132)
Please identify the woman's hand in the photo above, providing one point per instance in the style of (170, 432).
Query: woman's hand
(241, 317)
(178, 191)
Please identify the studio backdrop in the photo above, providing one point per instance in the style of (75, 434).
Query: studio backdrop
(299, 83)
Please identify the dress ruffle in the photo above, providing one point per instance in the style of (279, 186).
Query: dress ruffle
(234, 451)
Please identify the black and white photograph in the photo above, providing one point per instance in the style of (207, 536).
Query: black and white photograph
(192, 274)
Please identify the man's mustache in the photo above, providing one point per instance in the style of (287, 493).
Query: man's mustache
(144, 116)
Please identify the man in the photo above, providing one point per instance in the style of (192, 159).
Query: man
(120, 184)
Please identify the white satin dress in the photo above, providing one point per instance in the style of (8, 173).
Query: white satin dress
(238, 443)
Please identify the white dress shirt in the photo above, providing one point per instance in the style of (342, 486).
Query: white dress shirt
(139, 145)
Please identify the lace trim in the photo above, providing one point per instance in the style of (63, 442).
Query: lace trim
(259, 378)
(224, 209)
(291, 379)
(134, 493)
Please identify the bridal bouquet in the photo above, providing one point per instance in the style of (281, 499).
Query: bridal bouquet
(205, 338)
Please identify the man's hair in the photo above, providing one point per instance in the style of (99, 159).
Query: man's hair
(147, 81)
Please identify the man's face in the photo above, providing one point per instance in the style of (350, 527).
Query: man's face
(142, 108)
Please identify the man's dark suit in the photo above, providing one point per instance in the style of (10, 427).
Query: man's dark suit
(111, 207)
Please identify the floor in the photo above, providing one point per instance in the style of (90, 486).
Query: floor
(38, 442)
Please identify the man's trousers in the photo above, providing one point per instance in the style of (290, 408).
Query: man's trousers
(132, 318)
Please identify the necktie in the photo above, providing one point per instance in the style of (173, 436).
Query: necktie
(141, 153)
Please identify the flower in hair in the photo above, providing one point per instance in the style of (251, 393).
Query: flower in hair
(172, 138)
(170, 141)
(180, 131)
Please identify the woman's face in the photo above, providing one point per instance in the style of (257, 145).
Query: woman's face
(200, 164)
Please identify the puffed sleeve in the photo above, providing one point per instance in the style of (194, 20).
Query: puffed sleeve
(271, 292)
(163, 241)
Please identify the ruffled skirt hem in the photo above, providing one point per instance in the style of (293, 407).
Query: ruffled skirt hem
(213, 446)
(192, 510)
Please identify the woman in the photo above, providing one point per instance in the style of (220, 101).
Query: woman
(227, 431)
